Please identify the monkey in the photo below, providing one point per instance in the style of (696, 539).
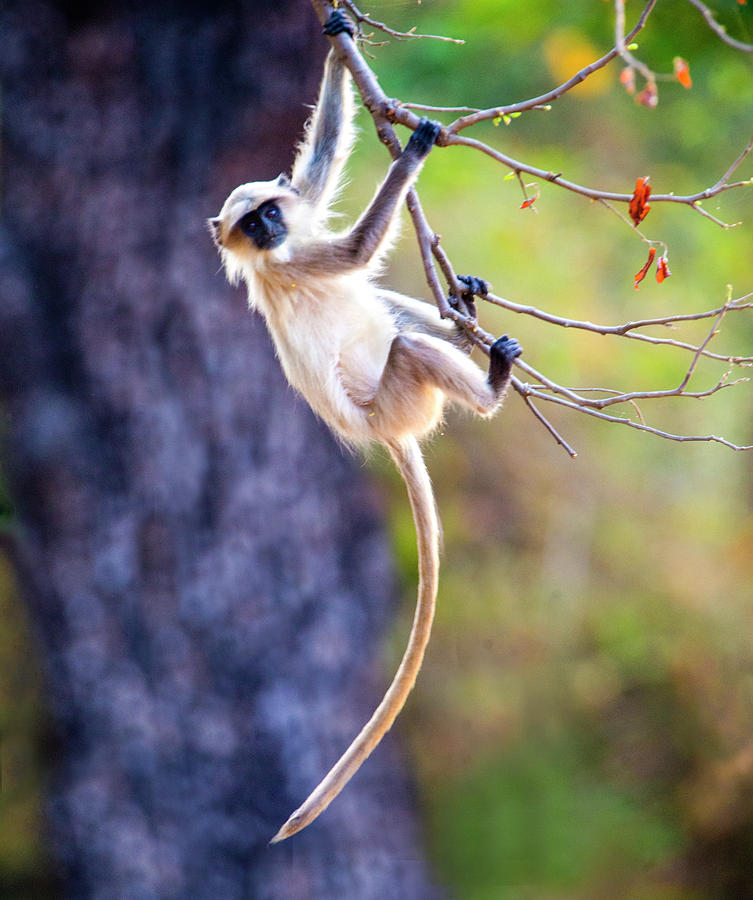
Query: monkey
(378, 367)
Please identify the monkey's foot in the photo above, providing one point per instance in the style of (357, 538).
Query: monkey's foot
(502, 353)
(338, 23)
(476, 286)
(424, 137)
(465, 303)
(505, 349)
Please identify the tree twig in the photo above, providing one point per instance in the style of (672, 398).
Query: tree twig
(398, 35)
(692, 200)
(627, 329)
(719, 30)
(572, 453)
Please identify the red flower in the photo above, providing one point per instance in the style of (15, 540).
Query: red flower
(649, 96)
(682, 72)
(529, 201)
(639, 276)
(639, 205)
(662, 269)
(627, 79)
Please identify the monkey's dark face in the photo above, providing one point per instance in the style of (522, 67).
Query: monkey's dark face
(265, 226)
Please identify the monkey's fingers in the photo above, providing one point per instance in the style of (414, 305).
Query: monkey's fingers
(502, 354)
(425, 136)
(507, 348)
(339, 23)
(465, 302)
(475, 285)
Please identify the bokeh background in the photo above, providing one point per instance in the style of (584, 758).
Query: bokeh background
(583, 724)
(584, 720)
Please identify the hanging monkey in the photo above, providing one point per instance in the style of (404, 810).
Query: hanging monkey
(375, 365)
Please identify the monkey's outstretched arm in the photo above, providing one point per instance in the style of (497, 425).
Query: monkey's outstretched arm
(368, 233)
(407, 457)
(356, 249)
(329, 134)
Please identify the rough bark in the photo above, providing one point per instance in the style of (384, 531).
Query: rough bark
(205, 570)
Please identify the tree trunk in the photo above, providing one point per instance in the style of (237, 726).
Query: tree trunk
(206, 572)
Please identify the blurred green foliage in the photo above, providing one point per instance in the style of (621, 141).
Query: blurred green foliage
(583, 725)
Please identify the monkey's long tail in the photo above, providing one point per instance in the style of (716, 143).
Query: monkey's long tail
(409, 461)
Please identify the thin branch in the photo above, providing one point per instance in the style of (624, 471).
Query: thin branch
(544, 421)
(621, 40)
(440, 109)
(428, 243)
(735, 165)
(707, 215)
(702, 347)
(682, 438)
(692, 200)
(398, 35)
(602, 390)
(632, 226)
(617, 397)
(719, 30)
(627, 329)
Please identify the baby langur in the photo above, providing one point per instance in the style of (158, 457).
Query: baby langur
(375, 365)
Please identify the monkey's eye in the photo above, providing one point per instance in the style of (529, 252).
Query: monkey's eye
(249, 223)
(272, 211)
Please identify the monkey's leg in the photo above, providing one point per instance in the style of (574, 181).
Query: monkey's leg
(418, 360)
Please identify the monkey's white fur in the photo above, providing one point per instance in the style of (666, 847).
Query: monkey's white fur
(373, 364)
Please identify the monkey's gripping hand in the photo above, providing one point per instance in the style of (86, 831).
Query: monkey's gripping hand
(474, 287)
(423, 138)
(339, 23)
(503, 352)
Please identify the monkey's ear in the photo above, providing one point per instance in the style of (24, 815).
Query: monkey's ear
(214, 229)
(284, 181)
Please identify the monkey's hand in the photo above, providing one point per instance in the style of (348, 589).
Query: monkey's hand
(424, 137)
(502, 353)
(475, 287)
(339, 23)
